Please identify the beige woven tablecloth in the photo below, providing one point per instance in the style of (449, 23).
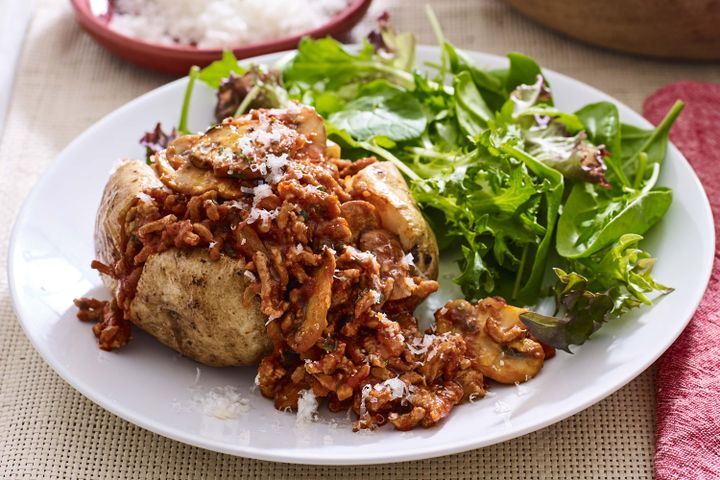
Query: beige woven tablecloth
(48, 430)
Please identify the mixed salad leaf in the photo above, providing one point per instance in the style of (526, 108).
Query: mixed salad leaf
(510, 183)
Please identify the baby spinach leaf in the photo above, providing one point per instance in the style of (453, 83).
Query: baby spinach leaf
(602, 124)
(384, 110)
(325, 59)
(523, 71)
(593, 218)
(470, 108)
(653, 143)
(491, 85)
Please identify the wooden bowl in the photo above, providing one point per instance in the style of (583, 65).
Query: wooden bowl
(95, 16)
(659, 28)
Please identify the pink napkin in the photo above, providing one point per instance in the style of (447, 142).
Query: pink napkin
(688, 378)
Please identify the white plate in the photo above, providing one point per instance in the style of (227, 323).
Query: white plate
(151, 386)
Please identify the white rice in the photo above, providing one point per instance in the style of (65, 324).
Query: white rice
(220, 23)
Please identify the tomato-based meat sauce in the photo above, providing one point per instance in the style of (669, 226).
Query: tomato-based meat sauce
(337, 283)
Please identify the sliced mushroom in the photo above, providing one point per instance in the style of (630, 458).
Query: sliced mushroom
(191, 180)
(310, 124)
(515, 358)
(315, 316)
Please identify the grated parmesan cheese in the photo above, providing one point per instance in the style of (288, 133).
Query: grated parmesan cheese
(408, 260)
(398, 389)
(363, 398)
(250, 275)
(307, 408)
(292, 107)
(259, 167)
(256, 383)
(260, 192)
(522, 390)
(144, 197)
(362, 256)
(501, 407)
(264, 216)
(224, 403)
(419, 346)
(276, 165)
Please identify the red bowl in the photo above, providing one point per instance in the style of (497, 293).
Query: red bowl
(178, 59)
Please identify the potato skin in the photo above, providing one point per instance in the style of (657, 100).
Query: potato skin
(185, 300)
(383, 185)
(195, 305)
(129, 178)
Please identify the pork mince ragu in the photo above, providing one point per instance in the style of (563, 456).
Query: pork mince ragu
(337, 279)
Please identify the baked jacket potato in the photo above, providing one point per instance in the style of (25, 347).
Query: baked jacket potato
(193, 301)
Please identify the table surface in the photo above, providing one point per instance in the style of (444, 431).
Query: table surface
(48, 430)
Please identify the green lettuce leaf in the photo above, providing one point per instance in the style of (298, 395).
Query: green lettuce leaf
(624, 272)
(221, 69)
(327, 62)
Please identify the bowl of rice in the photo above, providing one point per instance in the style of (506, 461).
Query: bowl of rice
(173, 35)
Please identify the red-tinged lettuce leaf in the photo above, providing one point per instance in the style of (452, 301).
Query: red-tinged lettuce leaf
(396, 49)
(256, 88)
(582, 313)
(156, 140)
(573, 156)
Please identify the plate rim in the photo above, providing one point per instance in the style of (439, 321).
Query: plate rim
(430, 451)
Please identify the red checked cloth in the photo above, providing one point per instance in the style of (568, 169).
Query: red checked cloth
(688, 378)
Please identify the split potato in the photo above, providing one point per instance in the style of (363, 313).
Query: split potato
(382, 185)
(195, 305)
(190, 303)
